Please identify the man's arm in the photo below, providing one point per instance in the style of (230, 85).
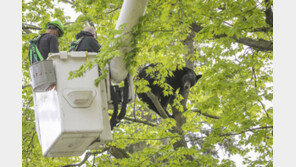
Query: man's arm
(54, 45)
(95, 45)
(53, 48)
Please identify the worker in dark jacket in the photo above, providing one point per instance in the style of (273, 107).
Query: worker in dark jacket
(86, 41)
(46, 43)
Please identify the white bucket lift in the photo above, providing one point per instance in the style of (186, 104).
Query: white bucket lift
(74, 117)
(70, 119)
(130, 13)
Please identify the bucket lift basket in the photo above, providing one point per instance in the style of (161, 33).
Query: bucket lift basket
(42, 75)
(71, 118)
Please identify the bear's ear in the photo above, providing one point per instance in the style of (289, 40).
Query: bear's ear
(198, 77)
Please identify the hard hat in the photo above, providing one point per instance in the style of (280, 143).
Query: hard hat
(58, 24)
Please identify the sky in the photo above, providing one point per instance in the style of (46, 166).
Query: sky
(68, 11)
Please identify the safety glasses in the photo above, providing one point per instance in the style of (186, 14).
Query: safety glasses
(53, 27)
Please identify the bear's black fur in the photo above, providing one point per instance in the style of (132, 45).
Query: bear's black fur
(184, 79)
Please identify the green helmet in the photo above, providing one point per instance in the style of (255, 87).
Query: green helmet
(58, 24)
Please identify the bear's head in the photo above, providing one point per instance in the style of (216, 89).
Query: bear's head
(189, 79)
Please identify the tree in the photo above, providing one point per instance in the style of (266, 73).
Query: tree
(229, 42)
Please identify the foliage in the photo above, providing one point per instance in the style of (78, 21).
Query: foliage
(229, 109)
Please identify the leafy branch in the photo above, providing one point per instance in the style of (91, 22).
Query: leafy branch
(138, 121)
(25, 86)
(205, 114)
(146, 139)
(248, 130)
(28, 27)
(68, 1)
(87, 155)
(255, 84)
(259, 44)
(113, 10)
(27, 106)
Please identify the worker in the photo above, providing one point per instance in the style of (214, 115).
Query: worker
(46, 43)
(86, 41)
(43, 44)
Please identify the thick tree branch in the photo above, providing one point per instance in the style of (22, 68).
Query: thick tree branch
(27, 31)
(180, 121)
(29, 26)
(260, 44)
(196, 27)
(189, 43)
(268, 13)
(178, 116)
(156, 103)
(118, 152)
(262, 29)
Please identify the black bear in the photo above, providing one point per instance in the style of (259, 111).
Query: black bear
(182, 79)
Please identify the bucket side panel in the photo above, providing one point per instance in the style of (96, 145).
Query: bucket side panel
(48, 117)
(75, 119)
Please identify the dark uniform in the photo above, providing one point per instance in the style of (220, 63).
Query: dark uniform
(47, 43)
(88, 43)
